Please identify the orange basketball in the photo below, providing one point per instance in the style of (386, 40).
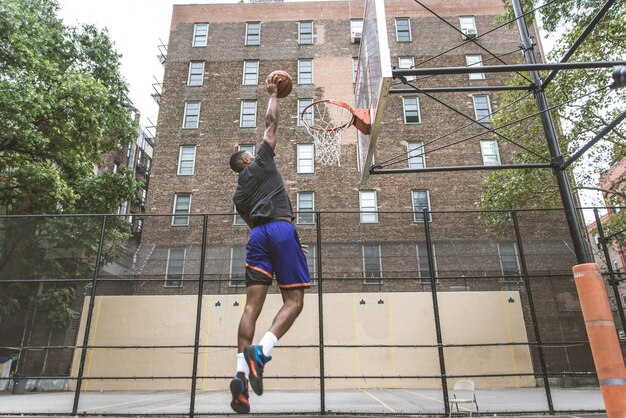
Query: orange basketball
(284, 83)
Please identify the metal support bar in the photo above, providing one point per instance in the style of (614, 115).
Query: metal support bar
(533, 313)
(433, 289)
(607, 257)
(375, 170)
(459, 89)
(194, 371)
(580, 40)
(92, 301)
(531, 66)
(573, 220)
(320, 308)
(608, 128)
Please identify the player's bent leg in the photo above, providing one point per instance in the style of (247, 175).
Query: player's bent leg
(255, 298)
(293, 302)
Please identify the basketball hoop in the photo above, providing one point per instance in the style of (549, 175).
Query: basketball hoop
(326, 121)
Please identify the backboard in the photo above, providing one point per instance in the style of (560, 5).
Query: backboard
(373, 79)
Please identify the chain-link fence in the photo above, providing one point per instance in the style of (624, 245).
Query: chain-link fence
(98, 319)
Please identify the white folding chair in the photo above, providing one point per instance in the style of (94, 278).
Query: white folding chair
(463, 392)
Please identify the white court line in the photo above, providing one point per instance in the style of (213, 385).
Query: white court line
(176, 404)
(424, 396)
(135, 401)
(378, 400)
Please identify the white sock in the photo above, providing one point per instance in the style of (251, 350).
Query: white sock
(242, 366)
(268, 342)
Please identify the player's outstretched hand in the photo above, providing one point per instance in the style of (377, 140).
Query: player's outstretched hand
(305, 248)
(271, 83)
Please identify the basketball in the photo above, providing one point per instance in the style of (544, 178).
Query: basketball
(284, 83)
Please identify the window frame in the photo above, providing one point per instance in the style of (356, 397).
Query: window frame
(312, 256)
(175, 215)
(300, 33)
(180, 160)
(354, 24)
(300, 159)
(486, 119)
(411, 65)
(364, 217)
(404, 110)
(190, 73)
(231, 282)
(507, 277)
(479, 63)
(186, 114)
(472, 26)
(248, 35)
(482, 151)
(379, 279)
(256, 73)
(241, 113)
(300, 72)
(308, 211)
(195, 35)
(167, 268)
(419, 267)
(301, 107)
(411, 159)
(245, 147)
(418, 215)
(408, 19)
(355, 68)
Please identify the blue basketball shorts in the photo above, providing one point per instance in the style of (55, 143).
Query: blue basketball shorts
(274, 249)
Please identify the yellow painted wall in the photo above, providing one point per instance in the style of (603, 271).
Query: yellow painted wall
(401, 319)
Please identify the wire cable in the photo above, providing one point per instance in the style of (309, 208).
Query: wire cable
(472, 40)
(494, 130)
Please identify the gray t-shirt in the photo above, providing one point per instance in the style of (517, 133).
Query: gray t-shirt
(260, 189)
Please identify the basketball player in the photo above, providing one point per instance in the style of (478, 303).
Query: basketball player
(273, 249)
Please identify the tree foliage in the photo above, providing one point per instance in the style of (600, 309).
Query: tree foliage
(578, 121)
(63, 106)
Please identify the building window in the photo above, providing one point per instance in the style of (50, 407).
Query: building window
(200, 34)
(253, 33)
(308, 116)
(250, 72)
(482, 108)
(248, 114)
(475, 61)
(305, 32)
(356, 30)
(355, 68)
(246, 147)
(175, 267)
(310, 262)
(509, 263)
(415, 151)
(237, 274)
(192, 115)
(305, 71)
(122, 208)
(196, 73)
(305, 159)
(306, 206)
(186, 160)
(372, 264)
(407, 63)
(468, 27)
(489, 150)
(423, 267)
(182, 207)
(368, 207)
(411, 110)
(116, 167)
(403, 29)
(238, 219)
(421, 201)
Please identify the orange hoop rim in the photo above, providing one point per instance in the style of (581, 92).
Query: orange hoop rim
(333, 102)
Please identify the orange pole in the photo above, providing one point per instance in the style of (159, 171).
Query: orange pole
(607, 354)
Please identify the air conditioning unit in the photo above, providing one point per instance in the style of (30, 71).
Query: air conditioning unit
(355, 37)
(469, 33)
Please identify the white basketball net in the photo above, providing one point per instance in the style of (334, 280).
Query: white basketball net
(326, 122)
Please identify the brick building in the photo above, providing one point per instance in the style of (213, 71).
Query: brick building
(213, 102)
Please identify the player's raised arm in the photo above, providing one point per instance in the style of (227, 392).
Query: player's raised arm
(271, 117)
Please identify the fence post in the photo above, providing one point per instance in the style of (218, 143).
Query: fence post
(194, 372)
(533, 314)
(614, 283)
(94, 282)
(433, 289)
(320, 309)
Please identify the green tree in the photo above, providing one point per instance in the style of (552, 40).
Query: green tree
(63, 106)
(579, 121)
